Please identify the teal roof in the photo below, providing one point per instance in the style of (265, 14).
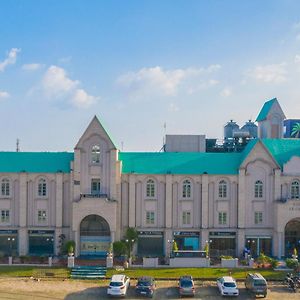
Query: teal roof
(180, 163)
(265, 110)
(282, 149)
(35, 162)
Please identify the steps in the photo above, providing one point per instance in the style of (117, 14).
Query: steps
(88, 272)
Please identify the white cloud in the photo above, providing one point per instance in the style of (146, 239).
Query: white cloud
(156, 79)
(173, 107)
(32, 67)
(297, 59)
(10, 60)
(226, 92)
(56, 84)
(296, 26)
(82, 99)
(4, 95)
(275, 73)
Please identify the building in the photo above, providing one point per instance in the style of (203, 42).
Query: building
(229, 200)
(289, 125)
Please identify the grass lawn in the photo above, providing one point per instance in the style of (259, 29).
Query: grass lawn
(207, 273)
(17, 271)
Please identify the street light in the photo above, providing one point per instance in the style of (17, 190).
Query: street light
(170, 243)
(130, 243)
(10, 241)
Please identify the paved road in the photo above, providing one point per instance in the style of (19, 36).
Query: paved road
(26, 289)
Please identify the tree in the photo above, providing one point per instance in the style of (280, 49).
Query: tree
(175, 247)
(131, 237)
(296, 130)
(120, 248)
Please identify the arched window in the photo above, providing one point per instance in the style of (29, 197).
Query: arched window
(42, 187)
(186, 189)
(150, 188)
(95, 154)
(295, 190)
(258, 189)
(222, 189)
(5, 187)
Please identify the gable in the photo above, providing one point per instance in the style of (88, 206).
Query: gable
(292, 167)
(95, 128)
(270, 107)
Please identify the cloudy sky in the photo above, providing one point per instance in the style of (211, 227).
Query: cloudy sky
(140, 64)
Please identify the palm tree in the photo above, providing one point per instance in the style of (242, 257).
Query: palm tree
(296, 130)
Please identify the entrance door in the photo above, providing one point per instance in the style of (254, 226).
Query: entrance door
(292, 237)
(94, 236)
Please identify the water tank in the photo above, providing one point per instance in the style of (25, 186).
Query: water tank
(229, 128)
(251, 127)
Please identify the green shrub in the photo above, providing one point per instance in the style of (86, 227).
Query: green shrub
(263, 259)
(120, 248)
(292, 263)
(274, 263)
(69, 247)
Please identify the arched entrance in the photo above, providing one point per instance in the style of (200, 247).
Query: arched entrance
(94, 236)
(292, 237)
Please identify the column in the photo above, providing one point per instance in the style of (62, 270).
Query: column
(23, 241)
(23, 200)
(240, 242)
(59, 200)
(113, 174)
(241, 198)
(204, 199)
(131, 216)
(168, 209)
(57, 246)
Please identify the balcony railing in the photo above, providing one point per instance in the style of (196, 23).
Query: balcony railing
(93, 196)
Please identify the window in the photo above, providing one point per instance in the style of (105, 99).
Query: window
(186, 189)
(258, 189)
(295, 190)
(95, 186)
(258, 217)
(222, 189)
(222, 218)
(4, 216)
(150, 217)
(5, 188)
(95, 154)
(186, 218)
(150, 188)
(42, 216)
(42, 187)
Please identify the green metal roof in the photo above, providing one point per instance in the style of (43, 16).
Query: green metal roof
(180, 163)
(283, 149)
(35, 162)
(265, 110)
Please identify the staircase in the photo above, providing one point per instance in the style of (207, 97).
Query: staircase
(88, 272)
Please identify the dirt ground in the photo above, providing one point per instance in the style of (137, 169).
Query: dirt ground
(25, 289)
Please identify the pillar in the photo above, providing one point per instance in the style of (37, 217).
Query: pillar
(132, 196)
(168, 208)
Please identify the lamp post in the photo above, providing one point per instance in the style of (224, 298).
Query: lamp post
(207, 246)
(130, 244)
(170, 243)
(10, 241)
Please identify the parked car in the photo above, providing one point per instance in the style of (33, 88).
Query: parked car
(256, 284)
(186, 286)
(118, 285)
(227, 286)
(145, 286)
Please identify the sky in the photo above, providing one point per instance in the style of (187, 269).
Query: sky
(145, 68)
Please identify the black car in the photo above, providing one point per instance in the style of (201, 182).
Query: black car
(186, 286)
(145, 286)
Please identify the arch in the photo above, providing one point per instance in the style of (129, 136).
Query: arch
(150, 188)
(42, 187)
(292, 236)
(95, 154)
(187, 187)
(5, 187)
(95, 236)
(258, 189)
(223, 189)
(295, 189)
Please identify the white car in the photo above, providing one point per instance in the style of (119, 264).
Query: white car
(227, 286)
(118, 285)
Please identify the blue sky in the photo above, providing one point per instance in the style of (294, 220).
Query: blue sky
(139, 64)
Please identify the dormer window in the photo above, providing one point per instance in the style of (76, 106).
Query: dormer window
(5, 187)
(95, 154)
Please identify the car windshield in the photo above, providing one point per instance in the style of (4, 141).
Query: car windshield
(229, 284)
(186, 283)
(113, 283)
(144, 283)
(259, 283)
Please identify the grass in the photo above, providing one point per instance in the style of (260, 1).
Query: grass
(17, 271)
(205, 273)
